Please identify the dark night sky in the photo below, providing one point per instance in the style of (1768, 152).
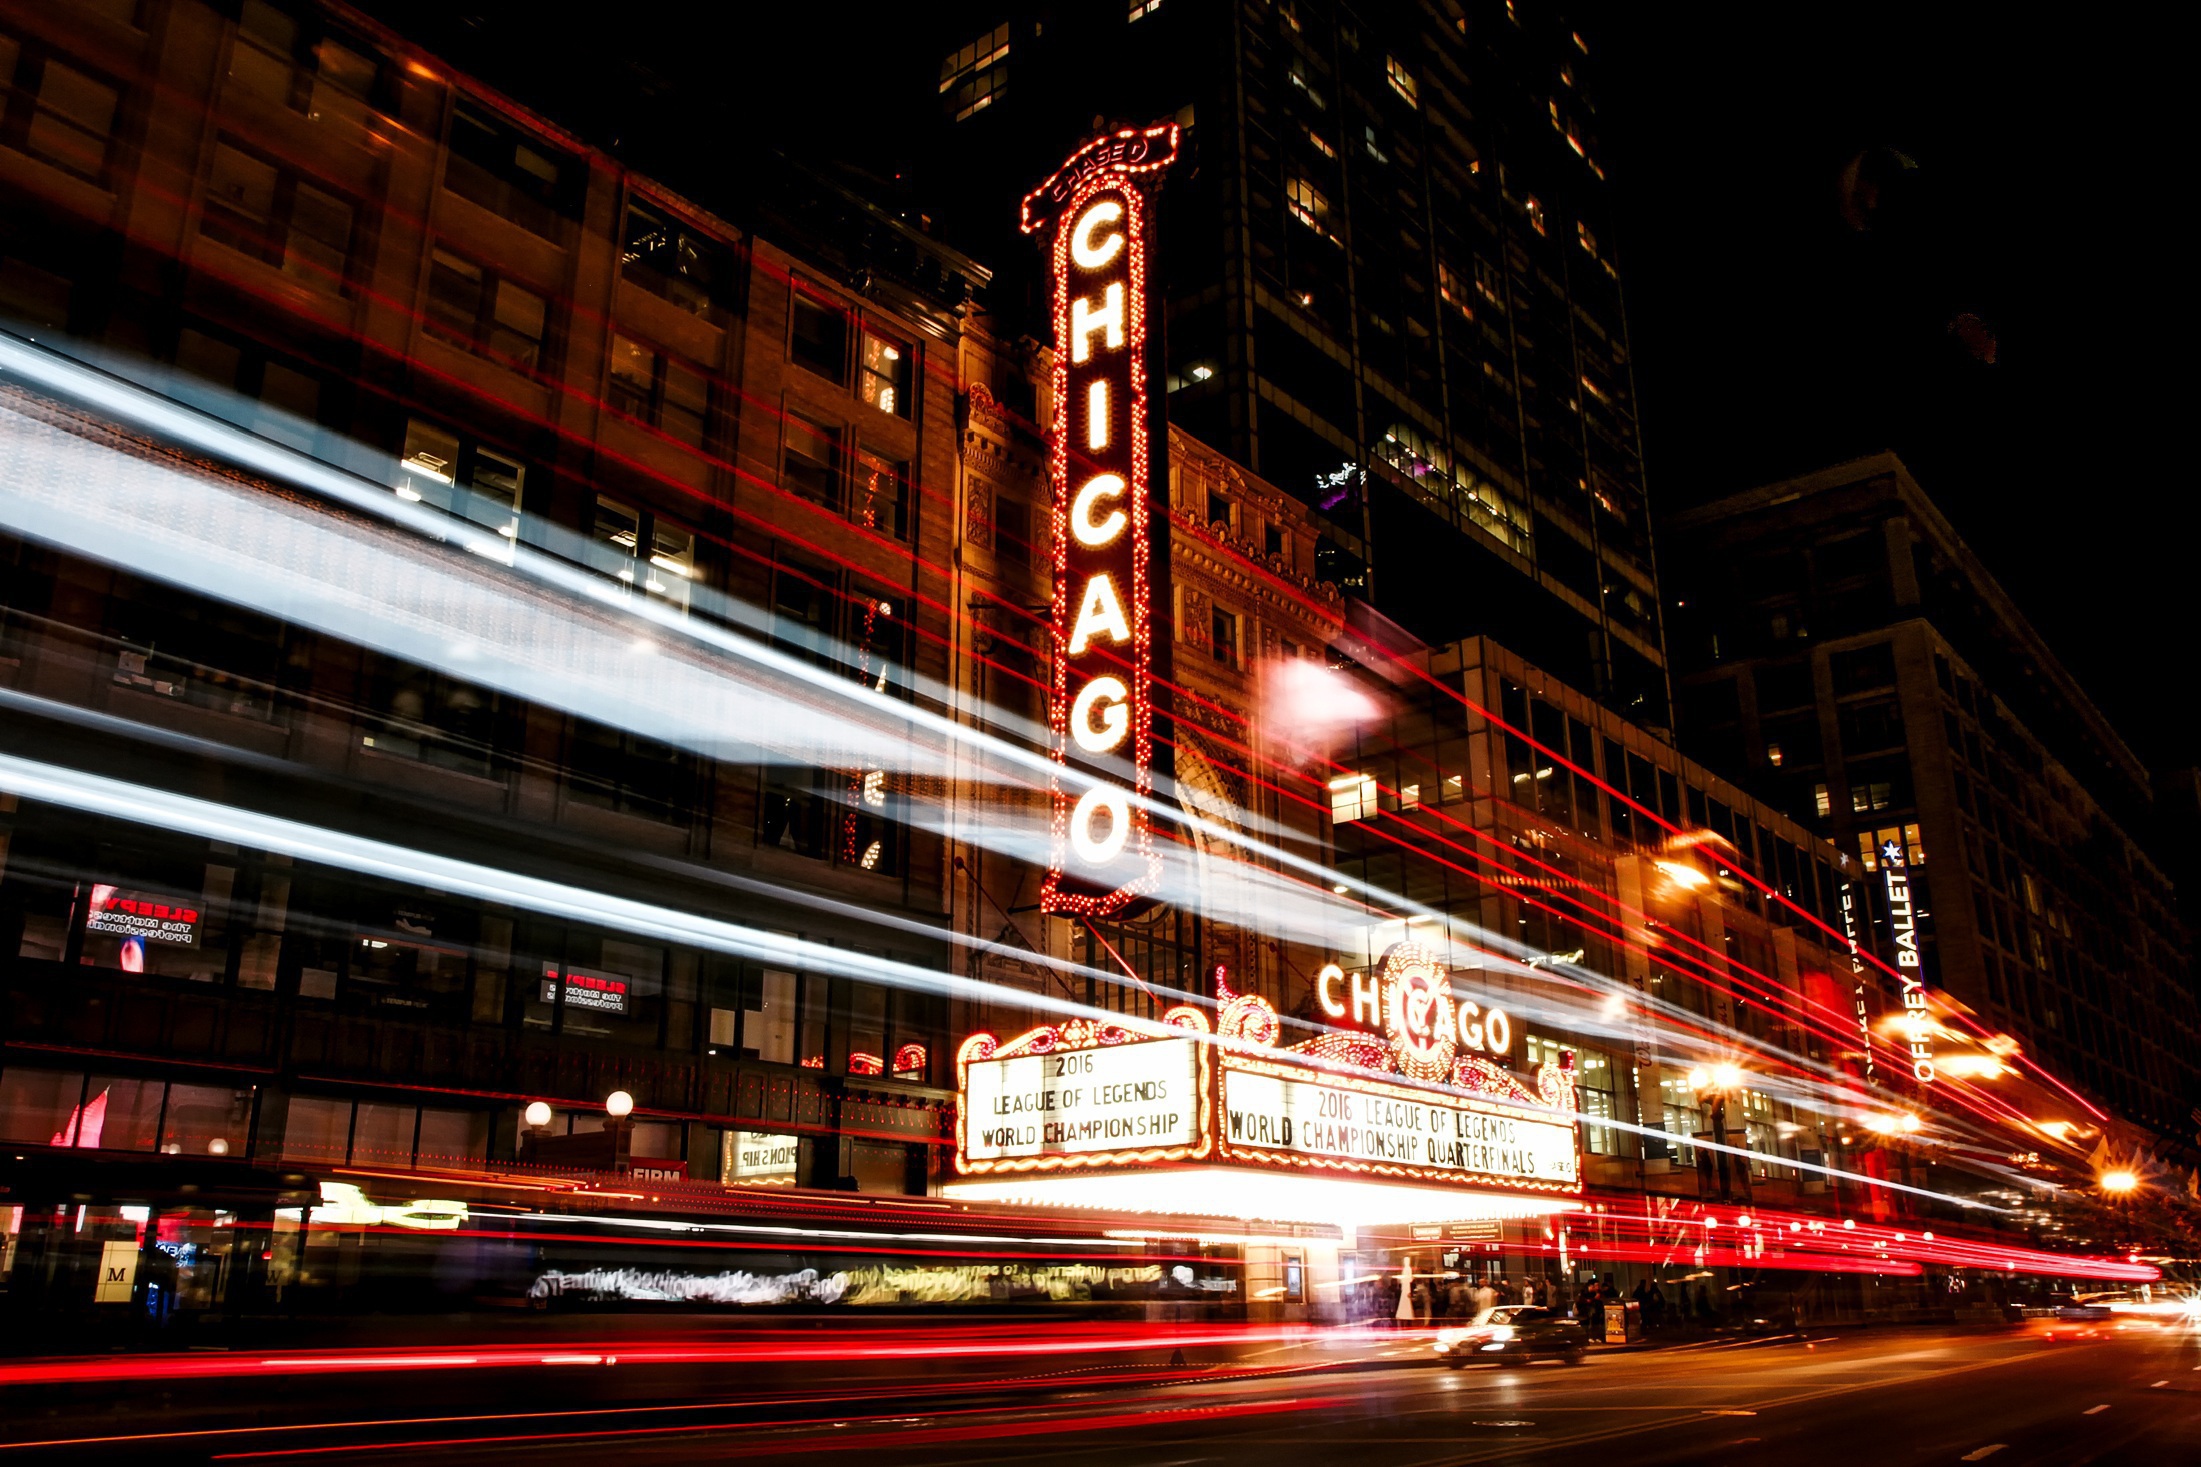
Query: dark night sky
(1773, 337)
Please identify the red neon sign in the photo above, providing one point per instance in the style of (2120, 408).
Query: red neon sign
(1101, 851)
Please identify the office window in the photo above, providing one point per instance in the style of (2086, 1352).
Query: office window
(652, 387)
(879, 494)
(459, 476)
(811, 465)
(72, 114)
(976, 76)
(883, 375)
(642, 548)
(1863, 669)
(262, 211)
(1402, 80)
(1352, 797)
(199, 651)
(415, 713)
(297, 63)
(1869, 727)
(818, 336)
(684, 266)
(616, 769)
(510, 173)
(470, 307)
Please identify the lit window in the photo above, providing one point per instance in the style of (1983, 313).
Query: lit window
(1873, 795)
(1298, 79)
(1352, 797)
(977, 76)
(879, 494)
(1320, 144)
(1409, 797)
(1452, 288)
(1535, 209)
(883, 375)
(670, 260)
(464, 480)
(640, 547)
(1308, 206)
(1773, 752)
(1140, 8)
(1402, 80)
(1821, 803)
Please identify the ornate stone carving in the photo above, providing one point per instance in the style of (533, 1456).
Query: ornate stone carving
(978, 528)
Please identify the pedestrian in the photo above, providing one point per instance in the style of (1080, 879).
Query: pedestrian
(1704, 1307)
(1654, 1307)
(1486, 1298)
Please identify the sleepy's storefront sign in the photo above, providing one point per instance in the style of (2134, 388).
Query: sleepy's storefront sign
(1402, 1119)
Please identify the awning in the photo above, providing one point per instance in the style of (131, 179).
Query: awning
(1253, 1195)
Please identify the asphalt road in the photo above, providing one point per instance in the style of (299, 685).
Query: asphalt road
(2129, 1394)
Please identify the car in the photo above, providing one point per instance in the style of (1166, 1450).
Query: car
(1514, 1335)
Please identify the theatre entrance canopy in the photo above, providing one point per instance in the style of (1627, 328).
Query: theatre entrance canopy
(1404, 1114)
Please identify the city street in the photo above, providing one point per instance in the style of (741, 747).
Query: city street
(2116, 1393)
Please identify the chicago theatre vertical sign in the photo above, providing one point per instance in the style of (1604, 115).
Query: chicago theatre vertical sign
(1097, 214)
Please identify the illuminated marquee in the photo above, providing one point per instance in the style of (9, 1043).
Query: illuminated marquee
(1101, 853)
(1903, 923)
(1086, 1097)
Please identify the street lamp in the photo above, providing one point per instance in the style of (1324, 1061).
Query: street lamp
(537, 1114)
(618, 1105)
(1718, 1082)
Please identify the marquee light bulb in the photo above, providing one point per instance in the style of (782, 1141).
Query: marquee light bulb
(537, 1114)
(619, 1105)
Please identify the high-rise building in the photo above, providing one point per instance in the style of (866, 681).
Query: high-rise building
(1390, 287)
(1845, 654)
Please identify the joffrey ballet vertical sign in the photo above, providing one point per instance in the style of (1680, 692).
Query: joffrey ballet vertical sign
(1098, 210)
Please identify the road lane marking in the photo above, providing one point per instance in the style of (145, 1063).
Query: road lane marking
(2095, 1410)
(1730, 1413)
(2158, 1385)
(1607, 1433)
(1983, 1453)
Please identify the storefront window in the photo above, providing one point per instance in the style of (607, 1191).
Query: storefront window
(207, 1120)
(317, 1131)
(121, 1114)
(768, 1027)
